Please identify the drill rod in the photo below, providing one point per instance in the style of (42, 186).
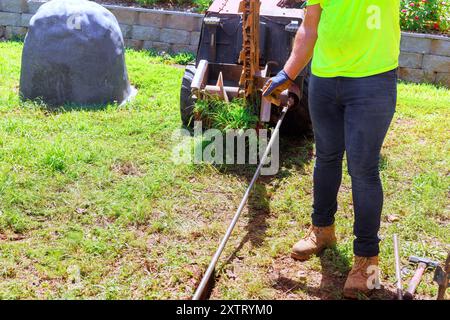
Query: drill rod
(210, 271)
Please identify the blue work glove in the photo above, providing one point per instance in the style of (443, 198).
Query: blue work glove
(275, 86)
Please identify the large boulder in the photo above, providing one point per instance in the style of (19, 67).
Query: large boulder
(74, 54)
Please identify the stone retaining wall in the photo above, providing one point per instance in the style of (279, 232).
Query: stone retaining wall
(424, 58)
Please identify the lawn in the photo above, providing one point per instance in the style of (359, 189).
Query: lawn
(92, 207)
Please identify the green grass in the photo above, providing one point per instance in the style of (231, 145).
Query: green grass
(93, 207)
(225, 116)
(182, 58)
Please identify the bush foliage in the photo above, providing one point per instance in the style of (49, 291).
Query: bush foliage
(198, 5)
(425, 15)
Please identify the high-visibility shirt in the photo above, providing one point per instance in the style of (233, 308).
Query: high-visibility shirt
(356, 38)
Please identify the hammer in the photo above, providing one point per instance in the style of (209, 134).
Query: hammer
(422, 265)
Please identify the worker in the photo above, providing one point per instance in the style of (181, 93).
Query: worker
(354, 46)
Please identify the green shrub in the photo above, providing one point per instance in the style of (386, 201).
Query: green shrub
(425, 15)
(202, 5)
(183, 58)
(14, 221)
(147, 2)
(218, 114)
(55, 159)
(199, 5)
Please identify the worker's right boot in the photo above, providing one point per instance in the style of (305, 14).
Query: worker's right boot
(317, 239)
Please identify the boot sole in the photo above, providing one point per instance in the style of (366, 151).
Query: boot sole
(307, 257)
(356, 294)
(299, 257)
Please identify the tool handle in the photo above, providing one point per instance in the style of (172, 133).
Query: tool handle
(415, 280)
(397, 269)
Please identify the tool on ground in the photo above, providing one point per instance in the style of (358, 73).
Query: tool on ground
(422, 265)
(397, 269)
(205, 286)
(442, 278)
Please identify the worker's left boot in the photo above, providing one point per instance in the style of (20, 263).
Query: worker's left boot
(363, 278)
(317, 239)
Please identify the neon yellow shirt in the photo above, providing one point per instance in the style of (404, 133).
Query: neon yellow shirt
(356, 38)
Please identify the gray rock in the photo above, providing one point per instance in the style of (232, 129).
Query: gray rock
(145, 33)
(25, 19)
(125, 15)
(126, 30)
(152, 19)
(74, 54)
(18, 6)
(134, 44)
(34, 5)
(12, 32)
(175, 36)
(183, 22)
(195, 38)
(443, 78)
(412, 43)
(417, 75)
(9, 19)
(411, 75)
(432, 63)
(411, 60)
(441, 47)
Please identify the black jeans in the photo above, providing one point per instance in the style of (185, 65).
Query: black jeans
(351, 115)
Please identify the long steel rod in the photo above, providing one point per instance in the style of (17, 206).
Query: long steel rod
(209, 272)
(397, 269)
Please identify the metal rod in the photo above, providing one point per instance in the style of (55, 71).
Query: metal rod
(397, 269)
(209, 272)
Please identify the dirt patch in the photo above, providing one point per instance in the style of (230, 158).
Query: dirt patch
(406, 122)
(126, 168)
(296, 280)
(11, 237)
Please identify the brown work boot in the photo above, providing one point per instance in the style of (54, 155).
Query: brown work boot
(317, 239)
(363, 278)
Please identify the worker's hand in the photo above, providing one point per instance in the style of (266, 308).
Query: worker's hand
(275, 86)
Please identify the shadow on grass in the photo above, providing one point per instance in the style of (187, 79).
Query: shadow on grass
(70, 108)
(294, 155)
(53, 108)
(58, 109)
